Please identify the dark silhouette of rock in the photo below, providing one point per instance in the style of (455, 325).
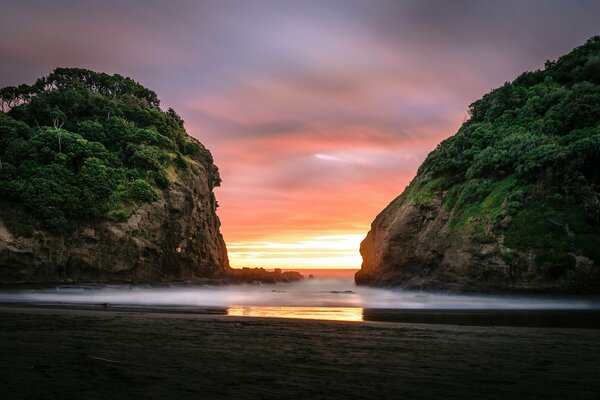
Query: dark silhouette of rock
(261, 275)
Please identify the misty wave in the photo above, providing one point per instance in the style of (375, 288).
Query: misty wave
(323, 292)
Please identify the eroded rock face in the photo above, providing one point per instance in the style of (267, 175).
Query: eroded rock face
(174, 238)
(414, 246)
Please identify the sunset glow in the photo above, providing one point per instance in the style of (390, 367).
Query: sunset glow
(317, 114)
(329, 251)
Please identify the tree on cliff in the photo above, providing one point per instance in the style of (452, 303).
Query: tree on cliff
(521, 176)
(537, 138)
(79, 144)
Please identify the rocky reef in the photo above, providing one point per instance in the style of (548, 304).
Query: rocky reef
(261, 275)
(511, 202)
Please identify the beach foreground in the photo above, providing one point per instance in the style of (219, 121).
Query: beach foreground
(92, 354)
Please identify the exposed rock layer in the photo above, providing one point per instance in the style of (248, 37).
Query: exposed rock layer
(414, 246)
(174, 238)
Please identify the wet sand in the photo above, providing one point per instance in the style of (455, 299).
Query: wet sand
(92, 354)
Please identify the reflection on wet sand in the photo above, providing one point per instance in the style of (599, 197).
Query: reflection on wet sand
(531, 318)
(320, 313)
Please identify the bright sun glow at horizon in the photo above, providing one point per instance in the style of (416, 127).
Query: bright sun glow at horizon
(339, 251)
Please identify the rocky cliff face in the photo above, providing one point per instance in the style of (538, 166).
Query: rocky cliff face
(174, 238)
(415, 246)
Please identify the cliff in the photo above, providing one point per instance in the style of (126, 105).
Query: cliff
(509, 203)
(98, 184)
(174, 238)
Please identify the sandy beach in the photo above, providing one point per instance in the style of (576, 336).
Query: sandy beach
(96, 354)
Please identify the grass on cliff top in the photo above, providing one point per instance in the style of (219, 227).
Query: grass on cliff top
(477, 205)
(469, 201)
(422, 191)
(556, 224)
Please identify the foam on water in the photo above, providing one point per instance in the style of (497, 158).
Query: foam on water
(320, 292)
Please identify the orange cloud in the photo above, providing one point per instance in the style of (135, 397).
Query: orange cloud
(317, 113)
(296, 175)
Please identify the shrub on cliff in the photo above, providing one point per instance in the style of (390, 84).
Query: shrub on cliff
(78, 144)
(526, 161)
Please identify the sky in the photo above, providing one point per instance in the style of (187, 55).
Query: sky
(317, 113)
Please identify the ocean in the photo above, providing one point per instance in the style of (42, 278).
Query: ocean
(329, 295)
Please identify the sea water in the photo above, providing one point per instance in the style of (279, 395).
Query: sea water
(325, 297)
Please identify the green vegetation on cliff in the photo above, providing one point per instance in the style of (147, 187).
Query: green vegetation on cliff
(79, 144)
(526, 163)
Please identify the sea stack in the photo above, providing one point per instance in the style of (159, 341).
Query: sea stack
(98, 184)
(511, 202)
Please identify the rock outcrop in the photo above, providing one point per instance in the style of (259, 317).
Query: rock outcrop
(415, 246)
(99, 184)
(511, 202)
(175, 238)
(261, 275)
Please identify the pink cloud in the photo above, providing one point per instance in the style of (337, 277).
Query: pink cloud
(318, 114)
